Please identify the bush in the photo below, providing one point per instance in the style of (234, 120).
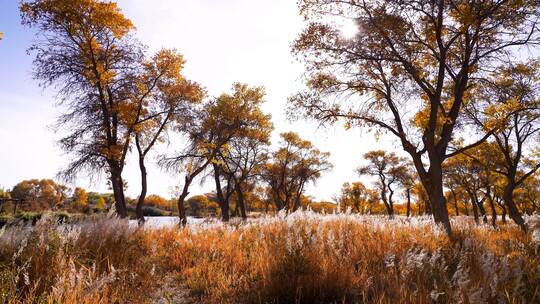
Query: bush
(29, 216)
(153, 211)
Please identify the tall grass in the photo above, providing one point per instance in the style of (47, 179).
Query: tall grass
(300, 258)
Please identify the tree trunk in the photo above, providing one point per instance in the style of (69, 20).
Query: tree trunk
(240, 200)
(118, 190)
(466, 208)
(389, 210)
(391, 202)
(181, 208)
(513, 212)
(503, 213)
(434, 187)
(142, 195)
(427, 207)
(455, 201)
(408, 202)
(475, 211)
(222, 203)
(492, 207)
(432, 181)
(493, 214)
(298, 196)
(482, 211)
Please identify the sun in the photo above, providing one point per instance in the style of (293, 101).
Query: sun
(349, 28)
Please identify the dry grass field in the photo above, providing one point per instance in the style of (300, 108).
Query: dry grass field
(300, 258)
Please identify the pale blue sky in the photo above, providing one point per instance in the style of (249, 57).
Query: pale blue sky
(223, 41)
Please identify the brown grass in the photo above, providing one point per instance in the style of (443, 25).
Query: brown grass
(304, 258)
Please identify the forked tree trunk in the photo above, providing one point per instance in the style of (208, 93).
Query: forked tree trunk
(240, 200)
(482, 210)
(181, 208)
(432, 180)
(492, 207)
(223, 204)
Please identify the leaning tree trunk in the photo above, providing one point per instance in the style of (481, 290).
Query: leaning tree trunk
(142, 195)
(513, 212)
(181, 208)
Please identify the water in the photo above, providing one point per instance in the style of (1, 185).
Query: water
(166, 221)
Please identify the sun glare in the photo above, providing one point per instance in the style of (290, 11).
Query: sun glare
(349, 28)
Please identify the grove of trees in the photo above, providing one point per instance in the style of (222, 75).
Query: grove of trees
(415, 69)
(450, 81)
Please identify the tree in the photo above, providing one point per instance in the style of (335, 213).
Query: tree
(243, 164)
(87, 51)
(210, 131)
(465, 172)
(529, 195)
(243, 161)
(40, 194)
(241, 157)
(158, 201)
(100, 203)
(168, 104)
(80, 197)
(406, 180)
(355, 196)
(4, 193)
(412, 65)
(422, 202)
(200, 205)
(511, 102)
(475, 172)
(389, 169)
(295, 164)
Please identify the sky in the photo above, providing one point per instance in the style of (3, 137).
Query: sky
(223, 41)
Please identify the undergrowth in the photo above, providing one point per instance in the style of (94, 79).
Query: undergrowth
(299, 258)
